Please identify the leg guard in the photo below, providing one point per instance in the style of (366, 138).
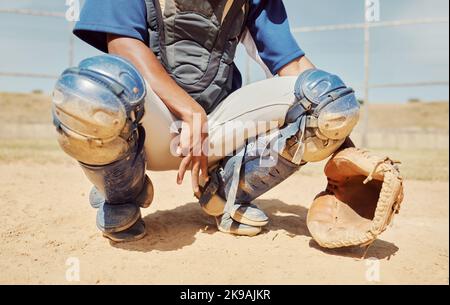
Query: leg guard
(253, 181)
(97, 109)
(325, 113)
(260, 172)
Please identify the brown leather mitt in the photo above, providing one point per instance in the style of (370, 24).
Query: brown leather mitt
(364, 193)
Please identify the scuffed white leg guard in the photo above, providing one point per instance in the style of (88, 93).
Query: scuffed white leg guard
(97, 109)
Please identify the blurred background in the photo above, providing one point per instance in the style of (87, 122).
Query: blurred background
(395, 53)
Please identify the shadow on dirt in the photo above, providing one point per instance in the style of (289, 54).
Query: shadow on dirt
(175, 229)
(380, 250)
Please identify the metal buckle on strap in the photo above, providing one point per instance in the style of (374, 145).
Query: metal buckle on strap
(306, 104)
(312, 122)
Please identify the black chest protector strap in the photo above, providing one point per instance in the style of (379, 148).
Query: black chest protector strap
(155, 24)
(219, 46)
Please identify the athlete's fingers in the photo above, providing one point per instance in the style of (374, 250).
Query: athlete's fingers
(185, 142)
(179, 151)
(195, 175)
(204, 168)
(183, 168)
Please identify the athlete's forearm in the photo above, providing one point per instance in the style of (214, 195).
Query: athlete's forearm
(296, 67)
(174, 97)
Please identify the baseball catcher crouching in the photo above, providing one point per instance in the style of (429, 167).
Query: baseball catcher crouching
(98, 108)
(185, 54)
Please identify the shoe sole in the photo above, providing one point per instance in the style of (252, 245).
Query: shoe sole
(216, 206)
(117, 240)
(115, 237)
(258, 229)
(240, 218)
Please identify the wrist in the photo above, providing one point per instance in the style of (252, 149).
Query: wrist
(296, 67)
(305, 64)
(190, 112)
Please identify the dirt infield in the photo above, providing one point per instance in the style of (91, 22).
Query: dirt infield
(46, 222)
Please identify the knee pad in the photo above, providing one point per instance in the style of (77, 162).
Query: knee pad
(97, 108)
(325, 113)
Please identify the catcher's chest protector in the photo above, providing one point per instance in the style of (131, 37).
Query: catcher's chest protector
(196, 42)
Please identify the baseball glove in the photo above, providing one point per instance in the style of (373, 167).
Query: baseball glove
(364, 193)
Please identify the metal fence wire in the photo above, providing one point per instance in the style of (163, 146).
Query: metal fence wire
(366, 26)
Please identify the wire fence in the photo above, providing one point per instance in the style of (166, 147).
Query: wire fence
(366, 26)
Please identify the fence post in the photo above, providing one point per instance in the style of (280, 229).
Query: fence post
(371, 14)
(71, 45)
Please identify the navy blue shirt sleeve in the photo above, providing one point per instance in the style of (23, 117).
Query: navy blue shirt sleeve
(121, 17)
(269, 26)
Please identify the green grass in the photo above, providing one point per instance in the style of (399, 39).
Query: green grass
(417, 164)
(428, 165)
(41, 151)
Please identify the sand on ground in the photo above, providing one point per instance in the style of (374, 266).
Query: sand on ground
(47, 227)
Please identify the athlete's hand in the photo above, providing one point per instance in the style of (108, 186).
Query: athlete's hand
(193, 148)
